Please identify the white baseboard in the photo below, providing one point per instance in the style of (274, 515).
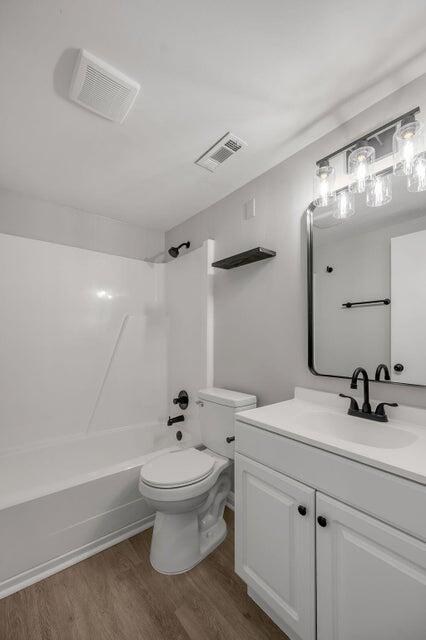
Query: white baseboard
(25, 579)
(230, 503)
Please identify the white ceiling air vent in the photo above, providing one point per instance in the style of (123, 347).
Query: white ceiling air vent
(221, 151)
(101, 88)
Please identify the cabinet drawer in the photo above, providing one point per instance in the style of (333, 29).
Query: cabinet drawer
(395, 500)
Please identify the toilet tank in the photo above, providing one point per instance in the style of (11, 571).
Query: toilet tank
(217, 413)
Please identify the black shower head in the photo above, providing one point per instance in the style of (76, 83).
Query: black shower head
(174, 251)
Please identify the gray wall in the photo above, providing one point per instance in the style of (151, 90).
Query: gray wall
(261, 310)
(22, 215)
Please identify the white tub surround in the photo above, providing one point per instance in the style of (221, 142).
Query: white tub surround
(331, 518)
(83, 342)
(62, 503)
(85, 374)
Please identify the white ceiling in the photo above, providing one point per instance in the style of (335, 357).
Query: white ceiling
(270, 71)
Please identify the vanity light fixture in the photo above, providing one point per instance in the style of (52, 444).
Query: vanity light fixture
(402, 136)
(360, 165)
(345, 205)
(324, 184)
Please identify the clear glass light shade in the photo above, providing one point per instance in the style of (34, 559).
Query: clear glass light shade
(416, 181)
(324, 193)
(360, 167)
(379, 190)
(408, 142)
(345, 205)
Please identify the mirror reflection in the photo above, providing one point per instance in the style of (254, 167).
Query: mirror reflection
(368, 283)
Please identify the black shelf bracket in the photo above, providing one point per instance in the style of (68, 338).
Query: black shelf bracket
(246, 257)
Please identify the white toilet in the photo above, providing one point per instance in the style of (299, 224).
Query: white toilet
(188, 488)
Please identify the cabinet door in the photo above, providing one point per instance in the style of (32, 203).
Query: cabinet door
(275, 544)
(371, 578)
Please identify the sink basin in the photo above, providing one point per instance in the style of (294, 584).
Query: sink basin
(352, 429)
(320, 420)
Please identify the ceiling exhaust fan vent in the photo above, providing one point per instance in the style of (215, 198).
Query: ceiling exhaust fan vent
(101, 88)
(221, 151)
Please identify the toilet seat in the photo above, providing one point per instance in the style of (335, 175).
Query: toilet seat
(178, 469)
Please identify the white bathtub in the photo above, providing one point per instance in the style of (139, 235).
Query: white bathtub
(63, 502)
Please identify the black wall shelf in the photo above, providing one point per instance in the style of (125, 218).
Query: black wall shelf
(246, 257)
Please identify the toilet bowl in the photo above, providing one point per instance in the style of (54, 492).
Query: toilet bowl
(188, 488)
(189, 521)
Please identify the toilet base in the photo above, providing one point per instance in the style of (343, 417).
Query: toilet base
(181, 540)
(180, 559)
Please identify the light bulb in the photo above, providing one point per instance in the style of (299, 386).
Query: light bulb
(408, 152)
(360, 163)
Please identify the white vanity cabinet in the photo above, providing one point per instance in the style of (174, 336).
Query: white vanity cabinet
(353, 566)
(371, 578)
(275, 548)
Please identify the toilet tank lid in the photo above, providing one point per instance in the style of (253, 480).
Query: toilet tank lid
(226, 397)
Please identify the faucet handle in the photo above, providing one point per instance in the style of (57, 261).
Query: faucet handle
(380, 409)
(354, 404)
(182, 399)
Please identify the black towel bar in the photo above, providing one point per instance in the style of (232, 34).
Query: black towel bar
(348, 305)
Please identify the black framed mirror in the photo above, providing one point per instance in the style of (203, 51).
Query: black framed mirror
(367, 288)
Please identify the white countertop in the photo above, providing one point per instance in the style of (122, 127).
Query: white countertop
(301, 419)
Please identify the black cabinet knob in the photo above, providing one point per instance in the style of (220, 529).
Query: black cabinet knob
(322, 521)
(230, 439)
(398, 367)
(302, 510)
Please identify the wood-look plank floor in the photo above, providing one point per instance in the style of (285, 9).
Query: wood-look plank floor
(116, 595)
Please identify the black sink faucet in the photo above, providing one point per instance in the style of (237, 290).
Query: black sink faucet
(379, 415)
(360, 371)
(380, 368)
